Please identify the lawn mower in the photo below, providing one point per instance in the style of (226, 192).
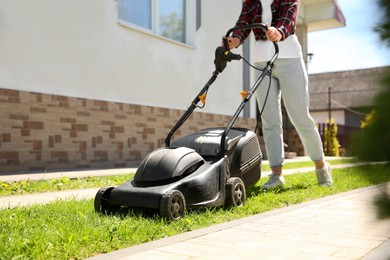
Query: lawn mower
(212, 167)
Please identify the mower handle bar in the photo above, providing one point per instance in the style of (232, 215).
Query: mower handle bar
(194, 103)
(262, 26)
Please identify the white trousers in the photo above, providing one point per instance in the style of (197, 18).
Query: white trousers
(290, 81)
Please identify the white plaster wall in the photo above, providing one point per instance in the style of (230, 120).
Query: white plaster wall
(77, 48)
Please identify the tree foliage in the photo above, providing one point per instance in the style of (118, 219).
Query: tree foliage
(373, 143)
(383, 27)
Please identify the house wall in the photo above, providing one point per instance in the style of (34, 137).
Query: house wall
(77, 48)
(45, 132)
(323, 116)
(80, 90)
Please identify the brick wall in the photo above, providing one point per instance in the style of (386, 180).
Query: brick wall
(294, 143)
(42, 132)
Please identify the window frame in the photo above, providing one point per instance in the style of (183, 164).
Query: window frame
(189, 23)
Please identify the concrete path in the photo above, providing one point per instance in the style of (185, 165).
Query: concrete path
(343, 226)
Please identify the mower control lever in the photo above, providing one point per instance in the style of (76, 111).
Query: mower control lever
(222, 56)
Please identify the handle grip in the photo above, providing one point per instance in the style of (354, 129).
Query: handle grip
(249, 27)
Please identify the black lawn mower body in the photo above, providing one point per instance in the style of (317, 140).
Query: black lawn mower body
(212, 167)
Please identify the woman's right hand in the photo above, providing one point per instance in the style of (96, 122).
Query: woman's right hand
(233, 42)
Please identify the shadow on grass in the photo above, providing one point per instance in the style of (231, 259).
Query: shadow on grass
(126, 212)
(257, 190)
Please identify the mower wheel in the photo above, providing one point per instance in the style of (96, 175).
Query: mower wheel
(102, 201)
(172, 205)
(235, 192)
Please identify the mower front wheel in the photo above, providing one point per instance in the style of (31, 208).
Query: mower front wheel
(172, 205)
(102, 201)
(235, 192)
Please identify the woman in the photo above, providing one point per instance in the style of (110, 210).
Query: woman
(289, 80)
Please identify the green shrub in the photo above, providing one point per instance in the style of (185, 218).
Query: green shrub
(331, 144)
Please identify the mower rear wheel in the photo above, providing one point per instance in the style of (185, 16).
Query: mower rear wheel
(235, 192)
(172, 205)
(102, 201)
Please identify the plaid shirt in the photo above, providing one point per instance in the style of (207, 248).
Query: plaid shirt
(284, 14)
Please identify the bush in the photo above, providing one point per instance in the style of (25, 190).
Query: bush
(331, 144)
(373, 142)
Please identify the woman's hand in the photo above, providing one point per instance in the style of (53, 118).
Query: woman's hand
(273, 34)
(233, 42)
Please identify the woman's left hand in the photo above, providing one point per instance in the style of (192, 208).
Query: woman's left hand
(273, 34)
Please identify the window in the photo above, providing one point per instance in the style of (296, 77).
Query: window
(166, 18)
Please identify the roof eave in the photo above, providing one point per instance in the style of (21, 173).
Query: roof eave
(322, 15)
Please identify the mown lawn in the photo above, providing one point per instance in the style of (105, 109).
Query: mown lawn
(66, 183)
(71, 229)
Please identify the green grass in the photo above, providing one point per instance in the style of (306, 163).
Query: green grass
(305, 164)
(65, 183)
(71, 229)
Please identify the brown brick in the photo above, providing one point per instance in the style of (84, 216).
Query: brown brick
(119, 146)
(82, 113)
(110, 123)
(6, 138)
(120, 106)
(37, 145)
(131, 140)
(38, 110)
(117, 129)
(82, 146)
(38, 97)
(57, 138)
(51, 141)
(73, 134)
(9, 155)
(152, 119)
(18, 117)
(60, 99)
(83, 155)
(134, 109)
(82, 101)
(96, 140)
(9, 92)
(59, 154)
(15, 100)
(120, 117)
(34, 125)
(148, 130)
(163, 112)
(80, 127)
(67, 120)
(101, 155)
(102, 105)
(37, 156)
(25, 132)
(135, 155)
(10, 158)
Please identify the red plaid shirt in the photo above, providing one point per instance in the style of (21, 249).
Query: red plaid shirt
(284, 15)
